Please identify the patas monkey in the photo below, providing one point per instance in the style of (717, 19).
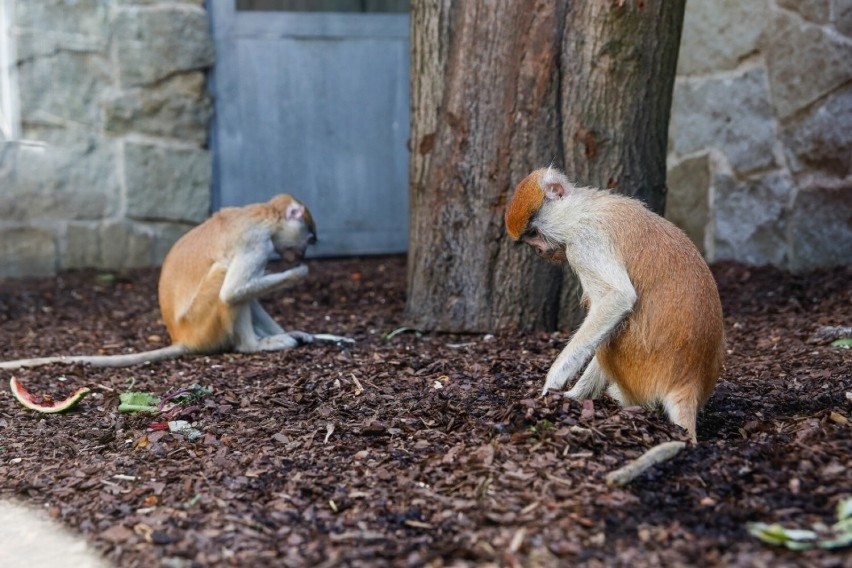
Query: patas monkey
(211, 280)
(653, 332)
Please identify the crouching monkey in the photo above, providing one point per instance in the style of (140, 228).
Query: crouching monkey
(211, 281)
(654, 331)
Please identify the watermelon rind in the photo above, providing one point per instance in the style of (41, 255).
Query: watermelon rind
(26, 399)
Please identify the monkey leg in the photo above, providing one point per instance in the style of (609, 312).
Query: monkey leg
(615, 393)
(261, 322)
(682, 407)
(285, 340)
(255, 330)
(265, 326)
(279, 342)
(590, 384)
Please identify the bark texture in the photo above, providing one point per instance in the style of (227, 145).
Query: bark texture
(499, 89)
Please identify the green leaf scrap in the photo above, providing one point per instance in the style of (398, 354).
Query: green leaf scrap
(138, 402)
(779, 536)
(796, 539)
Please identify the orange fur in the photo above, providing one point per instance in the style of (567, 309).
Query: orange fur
(669, 347)
(211, 281)
(526, 201)
(672, 344)
(195, 268)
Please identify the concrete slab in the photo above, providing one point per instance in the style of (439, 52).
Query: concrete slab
(30, 539)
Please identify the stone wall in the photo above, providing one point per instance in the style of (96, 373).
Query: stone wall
(113, 97)
(760, 145)
(114, 116)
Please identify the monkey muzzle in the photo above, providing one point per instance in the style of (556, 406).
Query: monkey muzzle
(293, 254)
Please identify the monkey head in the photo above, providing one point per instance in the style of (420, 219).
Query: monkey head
(294, 229)
(524, 214)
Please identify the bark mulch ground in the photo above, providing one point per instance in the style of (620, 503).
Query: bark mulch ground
(421, 449)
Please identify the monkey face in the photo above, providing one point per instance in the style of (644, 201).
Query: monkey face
(294, 233)
(543, 248)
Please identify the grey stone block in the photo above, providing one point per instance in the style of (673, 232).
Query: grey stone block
(805, 63)
(27, 251)
(821, 228)
(733, 115)
(167, 183)
(81, 247)
(843, 16)
(72, 177)
(153, 44)
(821, 140)
(85, 17)
(750, 218)
(198, 3)
(177, 108)
(687, 200)
(118, 244)
(63, 87)
(718, 35)
(817, 11)
(32, 44)
(123, 245)
(165, 236)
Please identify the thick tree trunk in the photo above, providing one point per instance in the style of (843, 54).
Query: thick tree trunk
(618, 68)
(499, 89)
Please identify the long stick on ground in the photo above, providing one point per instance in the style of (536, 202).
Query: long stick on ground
(657, 454)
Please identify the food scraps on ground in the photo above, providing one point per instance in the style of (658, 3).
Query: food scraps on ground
(45, 403)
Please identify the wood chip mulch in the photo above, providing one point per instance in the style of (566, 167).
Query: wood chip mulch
(421, 449)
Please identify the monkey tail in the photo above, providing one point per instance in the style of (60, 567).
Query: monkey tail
(127, 360)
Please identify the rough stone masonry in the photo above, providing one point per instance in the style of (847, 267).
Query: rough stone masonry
(113, 164)
(114, 106)
(760, 142)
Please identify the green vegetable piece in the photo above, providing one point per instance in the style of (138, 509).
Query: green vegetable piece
(777, 535)
(138, 402)
(844, 509)
(842, 541)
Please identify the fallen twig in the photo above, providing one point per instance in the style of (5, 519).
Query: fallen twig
(657, 454)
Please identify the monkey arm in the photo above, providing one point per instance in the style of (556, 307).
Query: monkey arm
(611, 296)
(258, 286)
(245, 279)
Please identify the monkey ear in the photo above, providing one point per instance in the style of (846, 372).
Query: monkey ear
(554, 184)
(295, 211)
(553, 189)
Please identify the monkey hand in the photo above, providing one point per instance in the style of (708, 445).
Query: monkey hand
(566, 366)
(295, 273)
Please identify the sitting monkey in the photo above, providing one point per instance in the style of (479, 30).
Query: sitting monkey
(211, 281)
(654, 330)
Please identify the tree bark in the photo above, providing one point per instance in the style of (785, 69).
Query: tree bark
(502, 88)
(619, 60)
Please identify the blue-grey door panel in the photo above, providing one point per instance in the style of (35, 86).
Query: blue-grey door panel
(316, 104)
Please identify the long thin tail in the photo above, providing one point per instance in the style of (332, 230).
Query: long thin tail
(169, 352)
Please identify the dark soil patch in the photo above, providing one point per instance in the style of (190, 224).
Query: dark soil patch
(421, 449)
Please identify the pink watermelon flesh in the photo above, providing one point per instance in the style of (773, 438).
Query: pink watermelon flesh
(45, 404)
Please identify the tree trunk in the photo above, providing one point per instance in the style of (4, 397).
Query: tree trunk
(618, 67)
(502, 88)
